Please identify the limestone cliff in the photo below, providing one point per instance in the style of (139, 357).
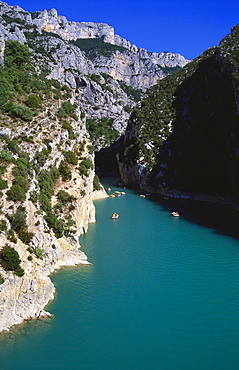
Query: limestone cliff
(107, 80)
(47, 185)
(25, 297)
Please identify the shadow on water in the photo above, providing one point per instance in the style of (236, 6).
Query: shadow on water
(220, 217)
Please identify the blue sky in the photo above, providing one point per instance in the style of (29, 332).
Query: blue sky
(187, 27)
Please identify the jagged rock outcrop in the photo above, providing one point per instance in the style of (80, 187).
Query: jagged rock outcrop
(50, 37)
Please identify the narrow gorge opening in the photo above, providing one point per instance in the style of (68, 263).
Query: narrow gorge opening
(105, 160)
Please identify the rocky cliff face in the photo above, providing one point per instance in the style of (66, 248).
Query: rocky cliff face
(193, 147)
(25, 297)
(47, 190)
(50, 37)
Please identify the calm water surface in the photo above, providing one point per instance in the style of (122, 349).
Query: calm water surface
(161, 293)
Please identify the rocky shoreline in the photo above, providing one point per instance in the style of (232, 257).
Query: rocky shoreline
(25, 297)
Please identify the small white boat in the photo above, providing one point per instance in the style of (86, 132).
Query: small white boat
(115, 216)
(175, 214)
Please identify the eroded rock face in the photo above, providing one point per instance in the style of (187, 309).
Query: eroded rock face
(49, 36)
(135, 66)
(25, 297)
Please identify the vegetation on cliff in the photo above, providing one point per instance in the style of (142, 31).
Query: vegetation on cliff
(95, 47)
(184, 131)
(10, 261)
(152, 119)
(37, 118)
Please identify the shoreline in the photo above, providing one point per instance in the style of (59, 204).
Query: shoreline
(25, 298)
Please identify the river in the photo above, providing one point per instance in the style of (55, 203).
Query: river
(161, 293)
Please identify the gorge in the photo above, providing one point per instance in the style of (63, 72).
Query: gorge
(73, 91)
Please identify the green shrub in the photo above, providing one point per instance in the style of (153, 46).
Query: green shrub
(10, 260)
(58, 95)
(64, 197)
(16, 193)
(95, 77)
(19, 111)
(70, 157)
(17, 55)
(70, 222)
(34, 197)
(39, 252)
(6, 156)
(45, 203)
(11, 236)
(85, 166)
(67, 109)
(3, 225)
(101, 128)
(25, 236)
(41, 157)
(134, 94)
(61, 113)
(46, 182)
(22, 182)
(59, 228)
(67, 126)
(19, 170)
(91, 149)
(65, 171)
(6, 89)
(54, 173)
(9, 19)
(3, 184)
(12, 146)
(33, 101)
(96, 183)
(19, 271)
(2, 169)
(1, 279)
(18, 220)
(55, 224)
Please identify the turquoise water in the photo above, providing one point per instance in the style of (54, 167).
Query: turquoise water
(161, 293)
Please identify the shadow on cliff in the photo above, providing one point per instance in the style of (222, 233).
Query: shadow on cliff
(200, 156)
(105, 160)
